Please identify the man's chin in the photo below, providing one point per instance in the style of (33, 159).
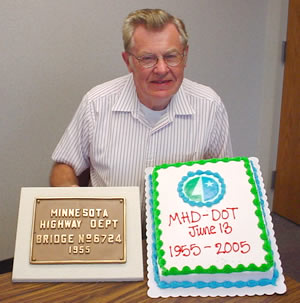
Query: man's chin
(161, 99)
(163, 94)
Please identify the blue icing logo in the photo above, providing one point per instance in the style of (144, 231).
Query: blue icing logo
(201, 188)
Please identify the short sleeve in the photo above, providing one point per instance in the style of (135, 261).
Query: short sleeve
(220, 142)
(73, 148)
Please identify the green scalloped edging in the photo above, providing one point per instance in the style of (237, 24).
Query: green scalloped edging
(212, 269)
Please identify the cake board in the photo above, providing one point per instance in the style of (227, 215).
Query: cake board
(154, 291)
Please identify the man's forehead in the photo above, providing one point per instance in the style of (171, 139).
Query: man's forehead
(167, 36)
(141, 28)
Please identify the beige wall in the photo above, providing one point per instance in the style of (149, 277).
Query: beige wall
(52, 52)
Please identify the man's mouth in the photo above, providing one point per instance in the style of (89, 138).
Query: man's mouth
(161, 81)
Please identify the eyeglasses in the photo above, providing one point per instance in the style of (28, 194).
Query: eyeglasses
(149, 60)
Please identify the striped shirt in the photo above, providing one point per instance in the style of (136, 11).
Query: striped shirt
(111, 134)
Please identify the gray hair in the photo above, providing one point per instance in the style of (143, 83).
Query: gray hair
(152, 19)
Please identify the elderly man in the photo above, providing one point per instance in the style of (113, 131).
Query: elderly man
(151, 116)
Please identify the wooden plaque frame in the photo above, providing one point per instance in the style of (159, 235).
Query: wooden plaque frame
(131, 270)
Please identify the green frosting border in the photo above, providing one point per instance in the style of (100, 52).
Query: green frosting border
(212, 269)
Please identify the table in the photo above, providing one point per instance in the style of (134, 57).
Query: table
(119, 292)
(123, 292)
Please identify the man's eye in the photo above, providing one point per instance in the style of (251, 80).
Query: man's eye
(148, 58)
(170, 56)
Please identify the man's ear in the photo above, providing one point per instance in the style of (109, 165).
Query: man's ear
(125, 57)
(186, 51)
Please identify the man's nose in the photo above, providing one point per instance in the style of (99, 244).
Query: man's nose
(161, 66)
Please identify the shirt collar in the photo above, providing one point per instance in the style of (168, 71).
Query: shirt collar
(179, 104)
(128, 100)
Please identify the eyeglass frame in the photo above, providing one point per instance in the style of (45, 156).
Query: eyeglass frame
(157, 58)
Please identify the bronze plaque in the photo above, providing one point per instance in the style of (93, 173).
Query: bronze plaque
(78, 230)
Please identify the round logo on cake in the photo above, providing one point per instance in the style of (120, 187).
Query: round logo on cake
(201, 188)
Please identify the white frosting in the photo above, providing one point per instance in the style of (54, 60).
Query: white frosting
(235, 213)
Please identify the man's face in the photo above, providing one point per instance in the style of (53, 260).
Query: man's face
(155, 86)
